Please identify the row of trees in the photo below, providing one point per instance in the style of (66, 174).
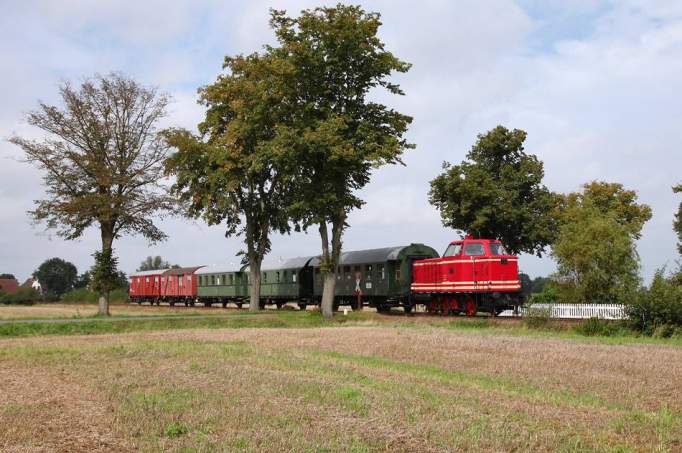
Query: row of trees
(497, 192)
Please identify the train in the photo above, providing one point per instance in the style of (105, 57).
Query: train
(473, 275)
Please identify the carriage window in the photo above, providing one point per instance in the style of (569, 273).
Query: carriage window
(180, 282)
(368, 271)
(293, 277)
(382, 272)
(224, 279)
(453, 250)
(212, 279)
(265, 277)
(317, 270)
(397, 274)
(474, 249)
(346, 269)
(217, 280)
(277, 277)
(231, 279)
(497, 249)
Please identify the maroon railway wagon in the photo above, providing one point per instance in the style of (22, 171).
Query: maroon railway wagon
(146, 286)
(473, 275)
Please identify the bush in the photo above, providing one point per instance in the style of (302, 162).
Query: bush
(536, 317)
(658, 309)
(599, 327)
(24, 296)
(548, 295)
(86, 296)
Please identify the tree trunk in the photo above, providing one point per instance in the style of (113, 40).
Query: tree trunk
(330, 261)
(328, 295)
(107, 240)
(254, 271)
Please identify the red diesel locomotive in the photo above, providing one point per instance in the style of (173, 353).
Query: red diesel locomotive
(473, 275)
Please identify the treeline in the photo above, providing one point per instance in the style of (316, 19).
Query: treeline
(289, 137)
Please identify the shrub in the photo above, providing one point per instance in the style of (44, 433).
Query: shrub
(24, 296)
(86, 296)
(599, 327)
(657, 309)
(548, 295)
(536, 317)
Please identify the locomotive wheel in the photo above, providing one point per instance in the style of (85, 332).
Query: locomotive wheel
(224, 304)
(279, 305)
(239, 305)
(302, 307)
(470, 307)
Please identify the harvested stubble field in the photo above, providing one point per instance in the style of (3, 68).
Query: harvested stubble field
(375, 388)
(62, 310)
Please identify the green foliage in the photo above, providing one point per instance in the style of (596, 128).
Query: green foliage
(595, 248)
(9, 276)
(83, 280)
(105, 276)
(548, 295)
(86, 296)
(539, 283)
(153, 263)
(677, 225)
(176, 429)
(498, 193)
(23, 296)
(658, 309)
(594, 327)
(56, 276)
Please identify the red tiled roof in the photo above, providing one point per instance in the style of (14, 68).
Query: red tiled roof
(9, 285)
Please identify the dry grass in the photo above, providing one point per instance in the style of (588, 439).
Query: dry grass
(332, 389)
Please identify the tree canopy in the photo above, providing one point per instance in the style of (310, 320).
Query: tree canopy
(232, 173)
(102, 161)
(334, 58)
(497, 193)
(56, 276)
(152, 263)
(595, 248)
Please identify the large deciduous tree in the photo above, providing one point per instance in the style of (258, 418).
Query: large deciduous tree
(232, 173)
(597, 260)
(498, 193)
(102, 161)
(56, 276)
(153, 263)
(334, 59)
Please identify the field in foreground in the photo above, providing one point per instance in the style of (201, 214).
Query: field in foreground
(337, 389)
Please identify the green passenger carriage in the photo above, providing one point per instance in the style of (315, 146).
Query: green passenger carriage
(222, 285)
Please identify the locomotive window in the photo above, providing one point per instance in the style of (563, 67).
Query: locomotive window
(453, 250)
(382, 272)
(497, 249)
(474, 249)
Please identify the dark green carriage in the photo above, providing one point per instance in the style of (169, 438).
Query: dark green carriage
(381, 276)
(288, 281)
(222, 285)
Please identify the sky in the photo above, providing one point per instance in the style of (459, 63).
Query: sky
(595, 84)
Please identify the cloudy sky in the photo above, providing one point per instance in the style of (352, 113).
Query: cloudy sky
(596, 84)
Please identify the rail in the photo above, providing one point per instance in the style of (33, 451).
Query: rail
(573, 311)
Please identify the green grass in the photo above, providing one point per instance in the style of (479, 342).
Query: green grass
(284, 319)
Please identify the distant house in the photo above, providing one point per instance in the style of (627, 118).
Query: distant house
(32, 283)
(9, 285)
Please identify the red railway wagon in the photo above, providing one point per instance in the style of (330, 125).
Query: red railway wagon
(145, 285)
(179, 285)
(473, 275)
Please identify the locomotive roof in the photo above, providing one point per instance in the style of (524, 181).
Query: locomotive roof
(145, 273)
(182, 270)
(218, 269)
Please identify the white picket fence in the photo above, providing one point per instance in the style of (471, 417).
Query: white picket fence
(575, 311)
